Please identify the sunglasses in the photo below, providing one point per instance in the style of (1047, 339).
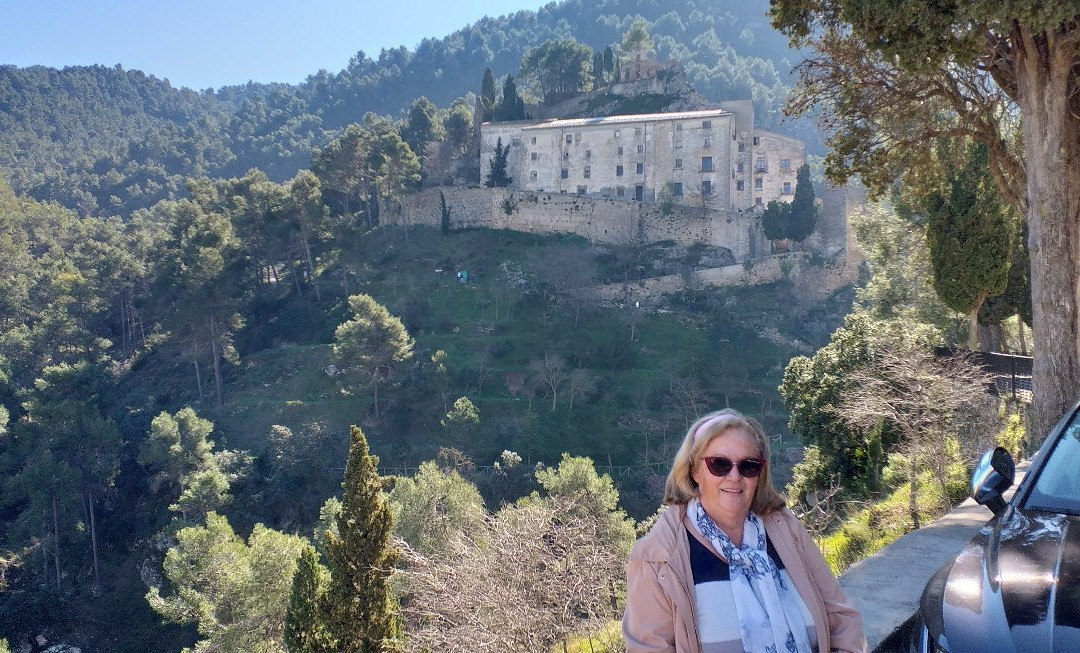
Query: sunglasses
(721, 466)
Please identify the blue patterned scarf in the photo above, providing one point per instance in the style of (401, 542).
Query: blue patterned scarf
(770, 618)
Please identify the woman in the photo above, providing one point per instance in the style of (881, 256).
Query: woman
(727, 568)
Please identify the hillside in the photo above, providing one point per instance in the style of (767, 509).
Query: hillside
(107, 141)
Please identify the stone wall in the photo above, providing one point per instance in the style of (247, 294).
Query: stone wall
(610, 221)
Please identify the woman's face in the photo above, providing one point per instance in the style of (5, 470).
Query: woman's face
(727, 499)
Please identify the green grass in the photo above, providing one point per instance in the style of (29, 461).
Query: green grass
(882, 523)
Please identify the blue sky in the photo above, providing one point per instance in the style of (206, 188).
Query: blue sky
(208, 43)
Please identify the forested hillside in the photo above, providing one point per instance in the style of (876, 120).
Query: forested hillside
(106, 141)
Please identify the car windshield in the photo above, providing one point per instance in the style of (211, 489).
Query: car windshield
(1058, 486)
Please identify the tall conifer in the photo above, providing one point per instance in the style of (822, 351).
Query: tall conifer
(305, 621)
(361, 613)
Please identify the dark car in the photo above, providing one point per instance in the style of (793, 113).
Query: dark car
(1016, 585)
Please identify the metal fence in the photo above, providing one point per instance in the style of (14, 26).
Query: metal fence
(1012, 373)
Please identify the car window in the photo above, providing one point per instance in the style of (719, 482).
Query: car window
(1058, 486)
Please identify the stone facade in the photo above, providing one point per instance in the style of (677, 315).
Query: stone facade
(708, 158)
(611, 221)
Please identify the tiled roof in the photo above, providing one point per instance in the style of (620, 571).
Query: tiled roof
(569, 123)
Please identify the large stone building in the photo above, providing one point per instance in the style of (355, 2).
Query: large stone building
(714, 158)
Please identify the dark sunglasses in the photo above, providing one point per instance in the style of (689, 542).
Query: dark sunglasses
(721, 466)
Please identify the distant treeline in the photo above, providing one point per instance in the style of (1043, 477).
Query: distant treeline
(107, 141)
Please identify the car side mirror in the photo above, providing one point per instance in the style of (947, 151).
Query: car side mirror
(993, 474)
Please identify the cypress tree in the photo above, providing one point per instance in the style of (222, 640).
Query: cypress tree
(487, 95)
(803, 213)
(305, 620)
(361, 613)
(970, 234)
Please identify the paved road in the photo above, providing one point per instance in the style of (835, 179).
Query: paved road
(886, 586)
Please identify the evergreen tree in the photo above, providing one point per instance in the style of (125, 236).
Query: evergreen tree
(362, 614)
(487, 95)
(497, 177)
(803, 212)
(776, 219)
(305, 619)
(512, 107)
(969, 232)
(372, 341)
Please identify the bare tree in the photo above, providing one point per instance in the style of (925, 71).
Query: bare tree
(926, 398)
(550, 372)
(580, 384)
(543, 574)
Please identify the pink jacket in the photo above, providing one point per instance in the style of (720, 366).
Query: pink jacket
(660, 614)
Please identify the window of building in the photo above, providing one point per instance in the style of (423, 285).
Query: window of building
(708, 142)
(569, 138)
(678, 127)
(759, 165)
(641, 149)
(742, 147)
(618, 171)
(565, 156)
(757, 183)
(515, 140)
(676, 189)
(639, 193)
(534, 140)
(565, 174)
(739, 167)
(581, 190)
(637, 131)
(617, 134)
(532, 175)
(678, 164)
(577, 137)
(706, 124)
(640, 168)
(757, 201)
(785, 164)
(620, 191)
(588, 154)
(534, 156)
(588, 173)
(706, 164)
(620, 150)
(787, 188)
(678, 142)
(740, 185)
(757, 141)
(706, 187)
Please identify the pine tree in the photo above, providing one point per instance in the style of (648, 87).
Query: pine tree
(497, 177)
(361, 613)
(305, 621)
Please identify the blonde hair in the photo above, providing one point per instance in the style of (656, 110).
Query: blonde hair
(681, 487)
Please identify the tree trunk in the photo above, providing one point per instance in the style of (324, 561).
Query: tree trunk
(1020, 334)
(216, 351)
(1051, 135)
(375, 382)
(310, 267)
(195, 359)
(913, 482)
(973, 324)
(93, 537)
(56, 541)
